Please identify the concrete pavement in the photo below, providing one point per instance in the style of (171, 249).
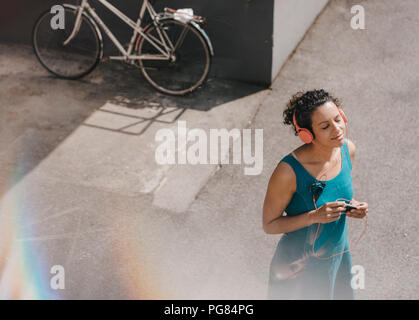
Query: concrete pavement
(374, 72)
(63, 142)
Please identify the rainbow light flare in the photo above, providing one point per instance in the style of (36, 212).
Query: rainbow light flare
(24, 269)
(141, 281)
(20, 264)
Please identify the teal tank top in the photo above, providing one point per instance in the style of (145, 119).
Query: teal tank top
(295, 271)
(338, 187)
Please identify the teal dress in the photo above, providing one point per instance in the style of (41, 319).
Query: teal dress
(299, 269)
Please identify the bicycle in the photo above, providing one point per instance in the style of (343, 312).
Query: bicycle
(173, 52)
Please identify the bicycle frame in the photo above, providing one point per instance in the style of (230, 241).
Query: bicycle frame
(164, 45)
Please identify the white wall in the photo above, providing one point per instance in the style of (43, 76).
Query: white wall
(292, 18)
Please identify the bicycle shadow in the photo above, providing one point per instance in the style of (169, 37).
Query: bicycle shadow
(137, 105)
(51, 163)
(40, 111)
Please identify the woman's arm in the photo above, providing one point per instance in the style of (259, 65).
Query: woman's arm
(281, 188)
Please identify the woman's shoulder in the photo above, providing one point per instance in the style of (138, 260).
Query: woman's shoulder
(300, 153)
(283, 173)
(351, 149)
(283, 178)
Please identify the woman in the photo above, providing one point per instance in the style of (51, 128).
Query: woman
(313, 185)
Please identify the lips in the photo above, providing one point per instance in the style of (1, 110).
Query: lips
(338, 137)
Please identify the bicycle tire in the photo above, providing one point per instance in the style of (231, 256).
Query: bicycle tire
(79, 57)
(176, 77)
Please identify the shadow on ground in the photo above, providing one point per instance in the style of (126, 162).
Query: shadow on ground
(123, 82)
(38, 111)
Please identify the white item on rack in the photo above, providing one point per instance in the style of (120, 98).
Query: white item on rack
(184, 15)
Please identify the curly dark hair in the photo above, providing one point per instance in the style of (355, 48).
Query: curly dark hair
(304, 103)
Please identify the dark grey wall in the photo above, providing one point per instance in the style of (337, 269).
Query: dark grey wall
(240, 30)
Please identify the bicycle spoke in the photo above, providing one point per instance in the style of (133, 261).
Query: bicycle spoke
(189, 63)
(181, 38)
(73, 60)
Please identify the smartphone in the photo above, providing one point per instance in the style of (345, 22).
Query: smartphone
(349, 207)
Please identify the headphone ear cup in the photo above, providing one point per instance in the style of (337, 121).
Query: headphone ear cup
(305, 135)
(342, 114)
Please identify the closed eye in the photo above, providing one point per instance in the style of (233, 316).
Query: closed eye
(337, 119)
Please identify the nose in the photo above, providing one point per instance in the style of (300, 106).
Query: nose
(336, 129)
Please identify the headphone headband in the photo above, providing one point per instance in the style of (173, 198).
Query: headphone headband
(295, 122)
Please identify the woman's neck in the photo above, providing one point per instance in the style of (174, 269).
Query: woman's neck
(319, 153)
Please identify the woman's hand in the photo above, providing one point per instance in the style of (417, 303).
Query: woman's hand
(360, 212)
(327, 213)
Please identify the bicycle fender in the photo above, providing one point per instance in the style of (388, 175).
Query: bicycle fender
(70, 6)
(139, 36)
(204, 34)
(196, 26)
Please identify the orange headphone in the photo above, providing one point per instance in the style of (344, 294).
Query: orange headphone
(305, 135)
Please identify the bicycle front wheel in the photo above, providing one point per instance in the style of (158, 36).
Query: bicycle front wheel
(189, 64)
(74, 60)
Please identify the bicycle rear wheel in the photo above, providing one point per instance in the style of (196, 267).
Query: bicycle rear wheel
(191, 61)
(74, 60)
